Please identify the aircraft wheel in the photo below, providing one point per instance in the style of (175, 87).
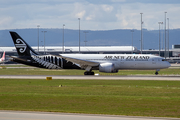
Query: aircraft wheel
(88, 73)
(92, 73)
(156, 73)
(85, 73)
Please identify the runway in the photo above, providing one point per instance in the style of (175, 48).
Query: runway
(89, 77)
(21, 115)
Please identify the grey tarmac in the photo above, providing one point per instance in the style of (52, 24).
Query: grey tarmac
(22, 115)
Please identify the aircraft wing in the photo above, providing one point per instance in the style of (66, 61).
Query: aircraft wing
(80, 62)
(17, 58)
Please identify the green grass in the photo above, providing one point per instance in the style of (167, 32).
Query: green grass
(38, 71)
(114, 97)
(14, 65)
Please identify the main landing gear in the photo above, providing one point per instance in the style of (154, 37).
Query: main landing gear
(88, 73)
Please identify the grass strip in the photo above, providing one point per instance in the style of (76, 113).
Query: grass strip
(39, 71)
(113, 97)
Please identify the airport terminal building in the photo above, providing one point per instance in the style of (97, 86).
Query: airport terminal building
(172, 54)
(175, 52)
(73, 49)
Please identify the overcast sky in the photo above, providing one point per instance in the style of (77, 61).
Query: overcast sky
(94, 14)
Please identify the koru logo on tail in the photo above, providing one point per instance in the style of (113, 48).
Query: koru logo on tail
(20, 45)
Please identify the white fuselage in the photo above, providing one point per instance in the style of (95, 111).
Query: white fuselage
(125, 61)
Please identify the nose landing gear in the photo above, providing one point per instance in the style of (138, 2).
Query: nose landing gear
(156, 73)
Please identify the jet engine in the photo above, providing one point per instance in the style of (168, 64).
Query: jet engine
(107, 67)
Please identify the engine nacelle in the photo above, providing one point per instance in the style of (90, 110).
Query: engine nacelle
(107, 67)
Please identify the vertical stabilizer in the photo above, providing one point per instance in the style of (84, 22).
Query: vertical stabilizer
(23, 49)
(3, 57)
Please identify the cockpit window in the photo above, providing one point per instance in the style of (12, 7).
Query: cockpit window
(163, 59)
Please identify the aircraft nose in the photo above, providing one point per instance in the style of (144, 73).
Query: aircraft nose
(168, 64)
(165, 64)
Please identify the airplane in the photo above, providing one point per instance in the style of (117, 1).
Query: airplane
(108, 63)
(2, 60)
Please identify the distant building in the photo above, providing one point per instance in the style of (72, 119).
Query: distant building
(174, 53)
(176, 50)
(84, 49)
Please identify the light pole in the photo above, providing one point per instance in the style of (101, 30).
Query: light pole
(165, 35)
(160, 36)
(85, 37)
(168, 36)
(132, 40)
(141, 32)
(44, 40)
(79, 34)
(63, 40)
(38, 37)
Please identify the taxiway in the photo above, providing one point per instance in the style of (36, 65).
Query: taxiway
(21, 115)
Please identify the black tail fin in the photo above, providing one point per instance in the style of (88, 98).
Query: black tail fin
(23, 49)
